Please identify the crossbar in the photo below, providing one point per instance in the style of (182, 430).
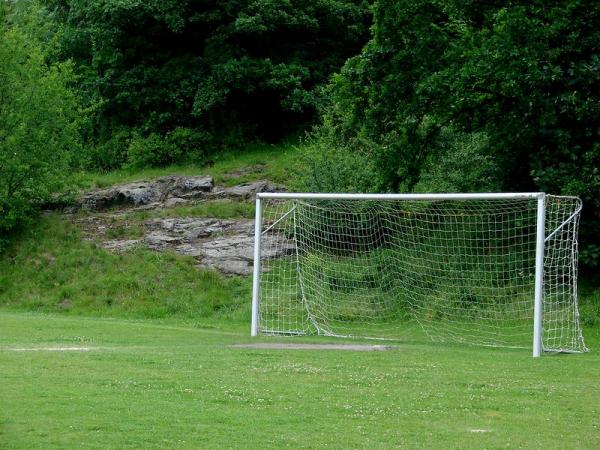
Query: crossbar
(457, 196)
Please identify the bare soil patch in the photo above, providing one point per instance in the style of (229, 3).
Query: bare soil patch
(52, 349)
(297, 346)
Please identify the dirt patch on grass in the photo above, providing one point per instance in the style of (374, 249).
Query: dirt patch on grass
(296, 346)
(51, 349)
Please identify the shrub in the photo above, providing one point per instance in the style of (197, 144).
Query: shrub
(39, 124)
(150, 151)
(180, 146)
(194, 145)
(111, 154)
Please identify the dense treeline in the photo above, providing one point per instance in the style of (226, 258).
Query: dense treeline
(408, 95)
(171, 76)
(470, 96)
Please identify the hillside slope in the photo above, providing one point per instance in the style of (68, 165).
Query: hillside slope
(143, 260)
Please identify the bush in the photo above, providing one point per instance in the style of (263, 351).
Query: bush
(194, 145)
(341, 168)
(39, 124)
(111, 154)
(461, 164)
(180, 146)
(150, 151)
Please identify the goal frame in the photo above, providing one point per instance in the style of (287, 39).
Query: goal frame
(539, 251)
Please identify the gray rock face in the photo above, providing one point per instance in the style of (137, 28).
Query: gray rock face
(225, 245)
(148, 192)
(230, 254)
(235, 254)
(160, 241)
(129, 194)
(197, 228)
(175, 201)
(246, 190)
(169, 191)
(185, 187)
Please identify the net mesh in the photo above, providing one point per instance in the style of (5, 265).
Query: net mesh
(463, 270)
(561, 326)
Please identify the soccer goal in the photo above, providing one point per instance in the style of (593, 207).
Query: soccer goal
(497, 269)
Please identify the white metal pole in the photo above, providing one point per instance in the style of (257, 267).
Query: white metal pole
(256, 275)
(455, 196)
(539, 277)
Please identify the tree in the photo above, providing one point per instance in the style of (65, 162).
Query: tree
(39, 122)
(233, 68)
(466, 95)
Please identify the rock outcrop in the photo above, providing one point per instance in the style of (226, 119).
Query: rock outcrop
(222, 244)
(169, 191)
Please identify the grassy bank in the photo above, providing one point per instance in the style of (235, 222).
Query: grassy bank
(52, 269)
(279, 163)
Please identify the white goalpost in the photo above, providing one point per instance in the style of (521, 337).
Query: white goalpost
(496, 269)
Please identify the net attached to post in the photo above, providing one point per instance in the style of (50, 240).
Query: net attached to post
(561, 325)
(464, 270)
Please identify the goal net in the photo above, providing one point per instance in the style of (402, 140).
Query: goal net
(460, 266)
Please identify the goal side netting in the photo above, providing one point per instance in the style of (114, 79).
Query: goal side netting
(457, 270)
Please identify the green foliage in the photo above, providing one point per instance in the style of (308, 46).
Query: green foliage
(461, 164)
(340, 168)
(234, 68)
(110, 154)
(39, 122)
(151, 151)
(180, 146)
(280, 163)
(471, 96)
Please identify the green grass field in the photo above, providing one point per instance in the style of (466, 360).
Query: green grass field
(148, 384)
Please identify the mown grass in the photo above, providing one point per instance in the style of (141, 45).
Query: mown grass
(144, 384)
